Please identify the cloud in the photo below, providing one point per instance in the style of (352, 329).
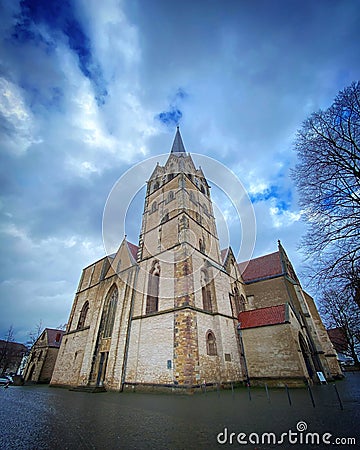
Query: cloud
(173, 115)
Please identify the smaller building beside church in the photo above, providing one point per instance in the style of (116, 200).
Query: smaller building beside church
(41, 361)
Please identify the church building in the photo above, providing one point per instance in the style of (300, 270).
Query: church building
(176, 311)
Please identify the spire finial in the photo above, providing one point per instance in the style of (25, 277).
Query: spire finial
(178, 146)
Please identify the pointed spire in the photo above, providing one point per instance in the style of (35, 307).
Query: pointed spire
(178, 146)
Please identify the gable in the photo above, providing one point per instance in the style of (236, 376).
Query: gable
(124, 258)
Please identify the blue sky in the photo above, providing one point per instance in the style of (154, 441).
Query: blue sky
(89, 89)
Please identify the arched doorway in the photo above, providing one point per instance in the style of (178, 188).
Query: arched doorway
(31, 373)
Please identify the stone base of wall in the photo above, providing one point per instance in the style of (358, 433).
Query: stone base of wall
(278, 382)
(180, 389)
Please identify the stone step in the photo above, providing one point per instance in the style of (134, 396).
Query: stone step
(88, 389)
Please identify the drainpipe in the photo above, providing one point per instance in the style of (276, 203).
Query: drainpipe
(242, 349)
(127, 341)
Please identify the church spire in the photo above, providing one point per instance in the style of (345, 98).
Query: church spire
(178, 146)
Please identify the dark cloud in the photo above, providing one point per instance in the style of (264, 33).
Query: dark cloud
(59, 17)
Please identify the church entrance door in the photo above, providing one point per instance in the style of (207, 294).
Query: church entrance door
(102, 368)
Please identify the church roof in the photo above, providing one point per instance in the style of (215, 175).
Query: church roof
(178, 145)
(267, 266)
(133, 249)
(53, 336)
(271, 315)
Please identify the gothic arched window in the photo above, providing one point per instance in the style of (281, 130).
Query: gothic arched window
(83, 314)
(205, 290)
(210, 344)
(152, 300)
(109, 312)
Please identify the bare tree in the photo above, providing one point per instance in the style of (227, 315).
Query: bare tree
(6, 351)
(62, 326)
(34, 334)
(339, 310)
(328, 181)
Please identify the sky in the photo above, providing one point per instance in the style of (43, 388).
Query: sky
(90, 89)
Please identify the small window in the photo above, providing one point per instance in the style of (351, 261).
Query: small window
(57, 337)
(118, 267)
(227, 357)
(170, 196)
(211, 344)
(153, 207)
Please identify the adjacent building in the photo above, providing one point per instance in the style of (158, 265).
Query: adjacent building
(41, 361)
(176, 311)
(11, 356)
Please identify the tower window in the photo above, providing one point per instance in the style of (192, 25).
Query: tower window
(170, 196)
(153, 207)
(205, 291)
(211, 344)
(152, 300)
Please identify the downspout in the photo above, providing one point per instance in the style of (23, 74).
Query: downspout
(242, 349)
(127, 341)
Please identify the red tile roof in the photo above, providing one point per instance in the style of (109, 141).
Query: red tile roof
(54, 337)
(263, 267)
(262, 317)
(133, 249)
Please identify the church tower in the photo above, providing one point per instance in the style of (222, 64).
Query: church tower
(183, 328)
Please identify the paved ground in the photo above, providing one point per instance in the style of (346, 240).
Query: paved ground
(39, 417)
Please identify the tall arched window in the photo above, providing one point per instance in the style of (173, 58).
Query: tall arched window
(83, 314)
(152, 300)
(170, 196)
(205, 290)
(239, 301)
(109, 312)
(211, 344)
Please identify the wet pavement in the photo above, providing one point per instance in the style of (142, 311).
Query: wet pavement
(40, 417)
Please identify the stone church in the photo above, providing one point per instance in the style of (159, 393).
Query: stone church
(178, 312)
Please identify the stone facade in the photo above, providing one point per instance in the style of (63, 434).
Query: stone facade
(165, 312)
